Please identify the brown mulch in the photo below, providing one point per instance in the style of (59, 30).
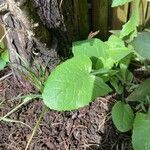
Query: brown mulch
(89, 128)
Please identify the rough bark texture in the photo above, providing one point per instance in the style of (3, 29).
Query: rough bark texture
(44, 26)
(52, 13)
(21, 41)
(49, 12)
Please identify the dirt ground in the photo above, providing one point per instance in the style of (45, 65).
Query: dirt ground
(89, 128)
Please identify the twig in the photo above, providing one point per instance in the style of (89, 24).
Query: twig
(16, 121)
(2, 102)
(93, 34)
(16, 108)
(45, 109)
(60, 4)
(6, 76)
(4, 35)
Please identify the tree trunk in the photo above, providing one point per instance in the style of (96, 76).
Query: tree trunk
(33, 30)
(39, 30)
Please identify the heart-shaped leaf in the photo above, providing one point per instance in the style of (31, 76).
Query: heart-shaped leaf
(122, 116)
(141, 132)
(141, 44)
(71, 86)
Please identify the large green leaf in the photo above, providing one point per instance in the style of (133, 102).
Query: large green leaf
(122, 116)
(131, 25)
(92, 48)
(116, 3)
(71, 86)
(141, 132)
(141, 44)
(117, 49)
(141, 93)
(119, 53)
(109, 52)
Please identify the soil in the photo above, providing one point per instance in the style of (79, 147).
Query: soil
(89, 128)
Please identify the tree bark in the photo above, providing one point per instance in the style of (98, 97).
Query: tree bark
(39, 30)
(25, 41)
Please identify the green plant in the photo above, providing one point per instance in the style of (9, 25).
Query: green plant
(76, 82)
(4, 56)
(99, 67)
